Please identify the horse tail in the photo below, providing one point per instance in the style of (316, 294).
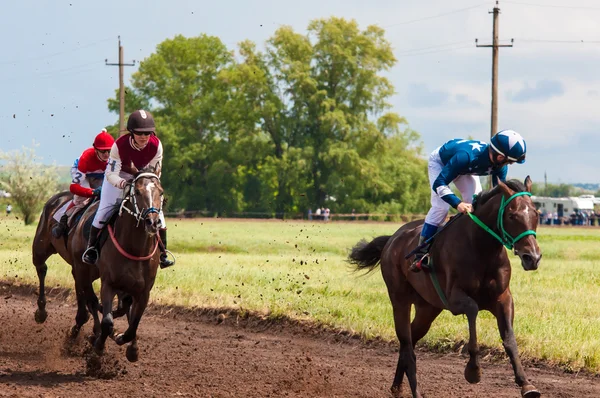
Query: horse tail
(367, 254)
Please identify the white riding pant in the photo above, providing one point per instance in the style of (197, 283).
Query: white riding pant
(110, 200)
(468, 185)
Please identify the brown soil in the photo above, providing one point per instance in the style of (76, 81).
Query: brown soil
(213, 354)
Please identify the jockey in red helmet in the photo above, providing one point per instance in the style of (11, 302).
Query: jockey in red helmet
(90, 165)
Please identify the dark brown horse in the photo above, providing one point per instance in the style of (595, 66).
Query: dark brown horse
(130, 259)
(70, 249)
(473, 272)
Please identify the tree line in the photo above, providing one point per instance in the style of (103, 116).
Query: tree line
(304, 123)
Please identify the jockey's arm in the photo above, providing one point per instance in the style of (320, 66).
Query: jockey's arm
(79, 176)
(457, 164)
(499, 175)
(113, 168)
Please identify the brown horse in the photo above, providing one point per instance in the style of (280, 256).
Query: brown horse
(70, 249)
(130, 259)
(472, 271)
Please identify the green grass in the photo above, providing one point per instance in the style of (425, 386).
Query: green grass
(298, 269)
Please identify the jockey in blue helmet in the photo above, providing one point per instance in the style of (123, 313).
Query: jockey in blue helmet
(462, 161)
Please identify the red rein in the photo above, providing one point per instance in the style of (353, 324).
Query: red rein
(124, 253)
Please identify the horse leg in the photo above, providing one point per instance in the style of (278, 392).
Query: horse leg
(93, 306)
(132, 352)
(107, 295)
(137, 310)
(407, 360)
(460, 303)
(124, 306)
(425, 314)
(82, 315)
(504, 313)
(39, 260)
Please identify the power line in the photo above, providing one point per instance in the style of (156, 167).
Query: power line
(436, 16)
(435, 51)
(581, 41)
(403, 52)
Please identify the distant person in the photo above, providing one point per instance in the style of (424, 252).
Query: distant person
(8, 209)
(318, 214)
(309, 214)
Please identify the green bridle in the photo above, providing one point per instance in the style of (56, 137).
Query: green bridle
(507, 240)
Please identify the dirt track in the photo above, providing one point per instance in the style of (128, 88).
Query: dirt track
(189, 354)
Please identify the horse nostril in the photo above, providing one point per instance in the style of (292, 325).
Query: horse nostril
(149, 222)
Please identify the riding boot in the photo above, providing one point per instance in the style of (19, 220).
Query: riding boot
(59, 230)
(421, 259)
(90, 256)
(164, 259)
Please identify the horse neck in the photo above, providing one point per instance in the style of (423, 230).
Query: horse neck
(131, 237)
(481, 240)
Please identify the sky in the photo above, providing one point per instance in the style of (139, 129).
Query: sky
(54, 83)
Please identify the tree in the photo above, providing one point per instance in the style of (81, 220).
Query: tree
(29, 182)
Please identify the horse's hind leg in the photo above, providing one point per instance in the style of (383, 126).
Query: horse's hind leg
(406, 359)
(460, 303)
(504, 313)
(107, 326)
(425, 314)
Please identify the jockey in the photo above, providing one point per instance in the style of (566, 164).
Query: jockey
(91, 164)
(137, 150)
(461, 161)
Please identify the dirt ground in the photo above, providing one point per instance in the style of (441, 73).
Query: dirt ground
(187, 353)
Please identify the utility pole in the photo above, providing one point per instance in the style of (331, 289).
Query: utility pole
(122, 130)
(495, 49)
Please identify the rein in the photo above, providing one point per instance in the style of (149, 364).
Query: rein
(506, 239)
(139, 215)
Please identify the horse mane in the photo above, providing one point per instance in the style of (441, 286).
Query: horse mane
(484, 196)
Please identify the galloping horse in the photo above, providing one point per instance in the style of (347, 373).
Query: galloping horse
(471, 271)
(130, 259)
(44, 245)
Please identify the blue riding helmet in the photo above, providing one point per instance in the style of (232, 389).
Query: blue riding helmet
(510, 144)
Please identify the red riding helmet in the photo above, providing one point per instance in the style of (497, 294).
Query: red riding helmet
(103, 141)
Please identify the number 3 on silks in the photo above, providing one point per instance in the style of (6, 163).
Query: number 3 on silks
(77, 178)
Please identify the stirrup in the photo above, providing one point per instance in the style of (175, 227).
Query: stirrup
(420, 264)
(166, 256)
(87, 252)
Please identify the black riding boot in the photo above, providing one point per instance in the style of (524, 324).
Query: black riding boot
(164, 259)
(90, 256)
(59, 230)
(421, 258)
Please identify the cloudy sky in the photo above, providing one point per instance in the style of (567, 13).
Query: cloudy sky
(55, 82)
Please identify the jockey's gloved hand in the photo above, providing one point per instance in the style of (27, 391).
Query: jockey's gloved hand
(97, 191)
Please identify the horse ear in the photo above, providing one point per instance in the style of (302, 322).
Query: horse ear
(134, 169)
(528, 183)
(505, 189)
(157, 169)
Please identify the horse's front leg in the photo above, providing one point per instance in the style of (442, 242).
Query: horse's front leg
(137, 310)
(504, 313)
(460, 303)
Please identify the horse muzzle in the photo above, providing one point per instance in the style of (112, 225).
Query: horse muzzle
(151, 224)
(529, 260)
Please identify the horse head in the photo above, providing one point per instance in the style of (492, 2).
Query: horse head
(517, 220)
(146, 196)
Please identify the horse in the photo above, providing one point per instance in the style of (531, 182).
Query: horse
(470, 272)
(130, 259)
(44, 245)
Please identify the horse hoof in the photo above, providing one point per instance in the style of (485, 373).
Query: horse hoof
(40, 316)
(92, 338)
(396, 391)
(473, 374)
(131, 354)
(74, 332)
(120, 340)
(530, 391)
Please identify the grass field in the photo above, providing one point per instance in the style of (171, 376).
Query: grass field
(298, 269)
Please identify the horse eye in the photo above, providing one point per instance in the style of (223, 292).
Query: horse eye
(512, 216)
